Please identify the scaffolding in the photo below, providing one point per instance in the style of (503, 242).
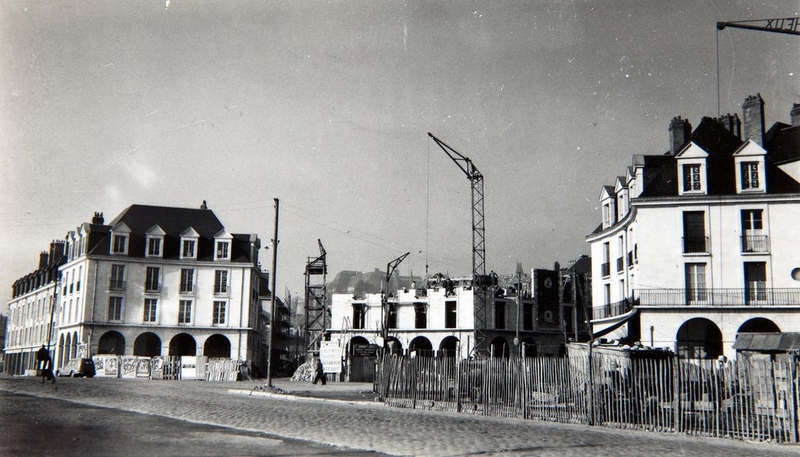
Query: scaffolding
(316, 306)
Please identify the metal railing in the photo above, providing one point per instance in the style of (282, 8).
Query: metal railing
(611, 309)
(116, 285)
(755, 243)
(750, 296)
(606, 269)
(695, 244)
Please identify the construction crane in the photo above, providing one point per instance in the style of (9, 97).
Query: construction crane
(316, 307)
(481, 282)
(788, 25)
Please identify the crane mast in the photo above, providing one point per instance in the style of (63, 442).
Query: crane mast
(479, 277)
(316, 307)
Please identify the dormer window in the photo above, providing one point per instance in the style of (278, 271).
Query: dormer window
(749, 160)
(155, 242)
(189, 239)
(691, 178)
(120, 236)
(222, 242)
(749, 172)
(223, 250)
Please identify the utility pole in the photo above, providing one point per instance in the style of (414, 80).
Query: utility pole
(272, 299)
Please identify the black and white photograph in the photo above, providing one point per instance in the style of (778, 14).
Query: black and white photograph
(417, 228)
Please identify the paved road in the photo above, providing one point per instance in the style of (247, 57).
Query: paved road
(357, 426)
(35, 426)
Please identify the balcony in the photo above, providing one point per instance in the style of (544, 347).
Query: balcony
(606, 269)
(187, 289)
(755, 243)
(695, 244)
(152, 288)
(611, 309)
(116, 285)
(620, 264)
(755, 295)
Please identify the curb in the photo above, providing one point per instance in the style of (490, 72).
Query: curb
(291, 397)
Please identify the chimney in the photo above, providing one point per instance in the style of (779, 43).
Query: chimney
(679, 131)
(98, 219)
(56, 250)
(43, 259)
(795, 114)
(732, 123)
(753, 113)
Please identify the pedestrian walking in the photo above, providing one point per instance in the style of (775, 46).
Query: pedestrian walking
(319, 374)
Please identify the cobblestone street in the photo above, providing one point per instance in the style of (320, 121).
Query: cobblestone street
(341, 415)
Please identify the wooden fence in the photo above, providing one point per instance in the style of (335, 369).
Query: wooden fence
(749, 400)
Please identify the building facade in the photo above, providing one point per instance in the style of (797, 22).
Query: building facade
(160, 281)
(31, 313)
(699, 244)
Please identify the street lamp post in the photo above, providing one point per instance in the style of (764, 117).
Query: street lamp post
(272, 301)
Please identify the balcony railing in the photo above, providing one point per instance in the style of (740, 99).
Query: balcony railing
(755, 295)
(755, 243)
(221, 290)
(620, 264)
(606, 269)
(611, 309)
(152, 288)
(187, 289)
(116, 285)
(695, 244)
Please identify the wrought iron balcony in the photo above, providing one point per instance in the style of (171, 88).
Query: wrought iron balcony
(116, 285)
(755, 243)
(187, 289)
(620, 264)
(696, 244)
(611, 309)
(755, 295)
(606, 269)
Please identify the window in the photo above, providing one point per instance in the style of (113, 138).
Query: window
(221, 282)
(185, 312)
(527, 316)
(150, 308)
(694, 231)
(606, 265)
(691, 178)
(151, 279)
(120, 244)
(359, 315)
(696, 283)
(114, 308)
(392, 317)
(606, 215)
(749, 175)
(117, 280)
(219, 312)
(755, 281)
(154, 247)
(420, 315)
(188, 249)
(187, 280)
(500, 314)
(753, 238)
(450, 316)
(223, 250)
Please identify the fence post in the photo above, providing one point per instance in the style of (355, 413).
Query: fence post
(676, 393)
(795, 381)
(590, 393)
(457, 386)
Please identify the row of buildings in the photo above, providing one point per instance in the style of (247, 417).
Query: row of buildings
(155, 281)
(697, 246)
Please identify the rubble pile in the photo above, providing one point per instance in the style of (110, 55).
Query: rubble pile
(304, 372)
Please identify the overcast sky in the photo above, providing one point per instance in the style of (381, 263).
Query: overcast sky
(327, 106)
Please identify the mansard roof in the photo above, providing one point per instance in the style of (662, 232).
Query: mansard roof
(720, 145)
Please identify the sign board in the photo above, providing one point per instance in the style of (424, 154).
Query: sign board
(188, 367)
(331, 356)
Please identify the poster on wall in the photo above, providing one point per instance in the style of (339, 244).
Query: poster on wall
(331, 356)
(188, 367)
(129, 366)
(143, 368)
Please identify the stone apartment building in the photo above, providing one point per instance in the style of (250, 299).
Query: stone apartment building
(155, 281)
(700, 244)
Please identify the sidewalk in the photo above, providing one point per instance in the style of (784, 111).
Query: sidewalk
(347, 392)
